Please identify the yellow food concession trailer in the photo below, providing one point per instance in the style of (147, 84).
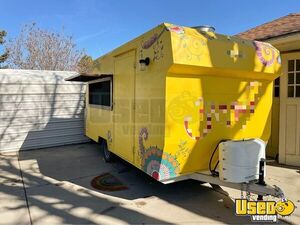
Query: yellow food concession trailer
(186, 103)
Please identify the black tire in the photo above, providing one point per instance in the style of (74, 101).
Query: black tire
(107, 155)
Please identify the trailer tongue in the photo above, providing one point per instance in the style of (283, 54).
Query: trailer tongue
(250, 187)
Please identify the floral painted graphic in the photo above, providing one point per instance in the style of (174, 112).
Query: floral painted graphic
(154, 43)
(265, 53)
(155, 162)
(109, 138)
(158, 50)
(176, 29)
(195, 47)
(147, 44)
(183, 151)
(182, 105)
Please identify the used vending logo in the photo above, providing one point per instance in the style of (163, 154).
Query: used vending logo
(263, 211)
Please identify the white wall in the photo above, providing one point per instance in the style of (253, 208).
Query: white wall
(39, 109)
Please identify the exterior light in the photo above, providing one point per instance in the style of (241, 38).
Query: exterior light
(143, 63)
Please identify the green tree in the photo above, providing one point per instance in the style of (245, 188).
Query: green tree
(4, 56)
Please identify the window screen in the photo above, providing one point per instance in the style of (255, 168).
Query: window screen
(100, 93)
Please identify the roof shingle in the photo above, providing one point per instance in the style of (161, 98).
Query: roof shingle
(281, 26)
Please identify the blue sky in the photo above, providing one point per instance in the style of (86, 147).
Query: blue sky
(99, 26)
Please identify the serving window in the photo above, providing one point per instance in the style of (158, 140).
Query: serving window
(100, 93)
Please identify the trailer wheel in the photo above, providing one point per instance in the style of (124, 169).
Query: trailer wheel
(107, 155)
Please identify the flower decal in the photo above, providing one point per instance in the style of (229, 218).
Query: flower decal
(155, 162)
(265, 52)
(176, 29)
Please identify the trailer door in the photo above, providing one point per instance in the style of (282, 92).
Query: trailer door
(124, 92)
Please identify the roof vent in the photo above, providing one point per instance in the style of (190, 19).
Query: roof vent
(205, 28)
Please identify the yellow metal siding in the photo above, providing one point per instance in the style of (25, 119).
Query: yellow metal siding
(124, 100)
(273, 143)
(187, 95)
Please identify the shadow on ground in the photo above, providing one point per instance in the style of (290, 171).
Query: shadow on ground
(58, 191)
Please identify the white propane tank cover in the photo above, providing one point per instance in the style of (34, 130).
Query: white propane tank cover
(239, 160)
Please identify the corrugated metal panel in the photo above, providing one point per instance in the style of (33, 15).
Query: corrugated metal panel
(39, 109)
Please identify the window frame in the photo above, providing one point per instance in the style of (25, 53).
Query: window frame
(109, 78)
(294, 72)
(276, 86)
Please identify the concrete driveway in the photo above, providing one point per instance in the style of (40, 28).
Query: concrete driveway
(52, 186)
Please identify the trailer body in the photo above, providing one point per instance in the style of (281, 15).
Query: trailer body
(167, 117)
